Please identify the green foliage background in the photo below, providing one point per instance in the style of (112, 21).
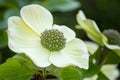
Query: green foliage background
(106, 13)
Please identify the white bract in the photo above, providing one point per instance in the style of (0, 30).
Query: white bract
(92, 47)
(44, 43)
(94, 33)
(111, 71)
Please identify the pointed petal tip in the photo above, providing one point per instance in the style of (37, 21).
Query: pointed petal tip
(81, 15)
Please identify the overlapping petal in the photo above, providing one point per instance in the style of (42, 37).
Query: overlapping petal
(37, 17)
(20, 36)
(92, 47)
(74, 53)
(68, 33)
(76, 50)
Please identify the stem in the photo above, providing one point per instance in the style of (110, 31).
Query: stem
(103, 56)
(43, 74)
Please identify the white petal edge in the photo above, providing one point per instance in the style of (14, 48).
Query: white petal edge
(112, 47)
(92, 78)
(81, 15)
(110, 71)
(37, 17)
(92, 47)
(75, 53)
(78, 52)
(93, 31)
(40, 56)
(20, 36)
(68, 33)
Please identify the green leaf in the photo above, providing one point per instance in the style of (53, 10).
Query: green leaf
(70, 73)
(97, 54)
(29, 63)
(8, 4)
(15, 69)
(112, 58)
(61, 5)
(93, 69)
(54, 70)
(21, 56)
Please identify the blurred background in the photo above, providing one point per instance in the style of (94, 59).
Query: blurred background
(106, 13)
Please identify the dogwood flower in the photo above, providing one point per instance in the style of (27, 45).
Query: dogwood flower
(44, 43)
(94, 33)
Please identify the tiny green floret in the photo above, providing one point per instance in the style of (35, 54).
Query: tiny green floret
(53, 40)
(113, 36)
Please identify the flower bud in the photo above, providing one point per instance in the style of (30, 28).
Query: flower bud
(113, 36)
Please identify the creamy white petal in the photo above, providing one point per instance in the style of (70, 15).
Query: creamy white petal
(68, 33)
(92, 47)
(59, 59)
(40, 56)
(37, 17)
(81, 15)
(75, 53)
(110, 71)
(92, 78)
(20, 36)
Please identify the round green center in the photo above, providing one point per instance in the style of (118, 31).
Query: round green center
(53, 40)
(113, 36)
